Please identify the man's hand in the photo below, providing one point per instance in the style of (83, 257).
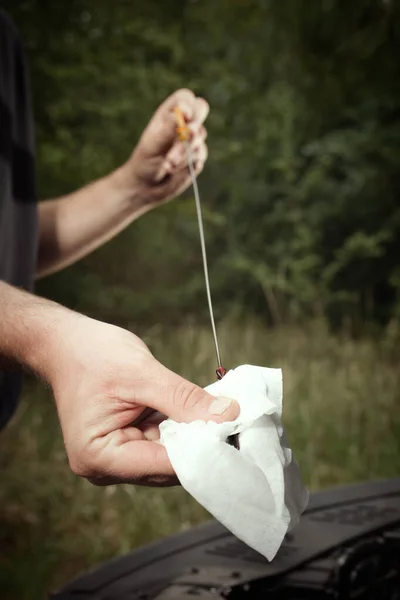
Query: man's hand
(72, 226)
(102, 378)
(157, 170)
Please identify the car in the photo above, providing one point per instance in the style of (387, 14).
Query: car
(347, 545)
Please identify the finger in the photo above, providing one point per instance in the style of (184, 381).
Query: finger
(195, 110)
(141, 462)
(184, 99)
(192, 107)
(176, 179)
(199, 154)
(198, 167)
(198, 138)
(202, 109)
(150, 427)
(162, 130)
(176, 158)
(196, 131)
(151, 432)
(154, 419)
(203, 132)
(143, 416)
(176, 155)
(184, 401)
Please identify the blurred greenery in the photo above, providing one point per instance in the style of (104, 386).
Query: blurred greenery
(301, 187)
(302, 216)
(341, 415)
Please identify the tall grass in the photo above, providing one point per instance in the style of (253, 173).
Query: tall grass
(341, 412)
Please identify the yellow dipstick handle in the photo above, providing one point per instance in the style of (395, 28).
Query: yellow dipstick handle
(182, 130)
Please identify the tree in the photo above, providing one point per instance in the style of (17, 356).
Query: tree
(300, 190)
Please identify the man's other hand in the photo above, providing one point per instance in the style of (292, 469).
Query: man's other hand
(157, 170)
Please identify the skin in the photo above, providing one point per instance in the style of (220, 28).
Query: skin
(102, 376)
(74, 225)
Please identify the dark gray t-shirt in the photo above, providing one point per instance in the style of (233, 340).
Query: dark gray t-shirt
(18, 208)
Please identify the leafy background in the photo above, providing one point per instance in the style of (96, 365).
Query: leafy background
(302, 216)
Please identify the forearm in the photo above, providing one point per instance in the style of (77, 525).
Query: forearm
(72, 226)
(29, 326)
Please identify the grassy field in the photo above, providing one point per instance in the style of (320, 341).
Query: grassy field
(341, 411)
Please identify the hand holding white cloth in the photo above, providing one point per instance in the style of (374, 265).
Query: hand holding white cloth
(255, 492)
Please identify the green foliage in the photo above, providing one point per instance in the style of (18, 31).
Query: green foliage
(340, 412)
(301, 187)
(302, 215)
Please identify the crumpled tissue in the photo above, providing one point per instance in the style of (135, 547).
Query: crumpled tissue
(255, 492)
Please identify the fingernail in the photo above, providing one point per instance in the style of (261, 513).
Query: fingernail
(220, 405)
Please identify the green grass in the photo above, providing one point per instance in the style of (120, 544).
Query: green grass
(341, 411)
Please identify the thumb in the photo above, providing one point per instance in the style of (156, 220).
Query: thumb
(184, 401)
(160, 134)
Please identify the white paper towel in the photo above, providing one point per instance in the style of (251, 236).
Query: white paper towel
(255, 492)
